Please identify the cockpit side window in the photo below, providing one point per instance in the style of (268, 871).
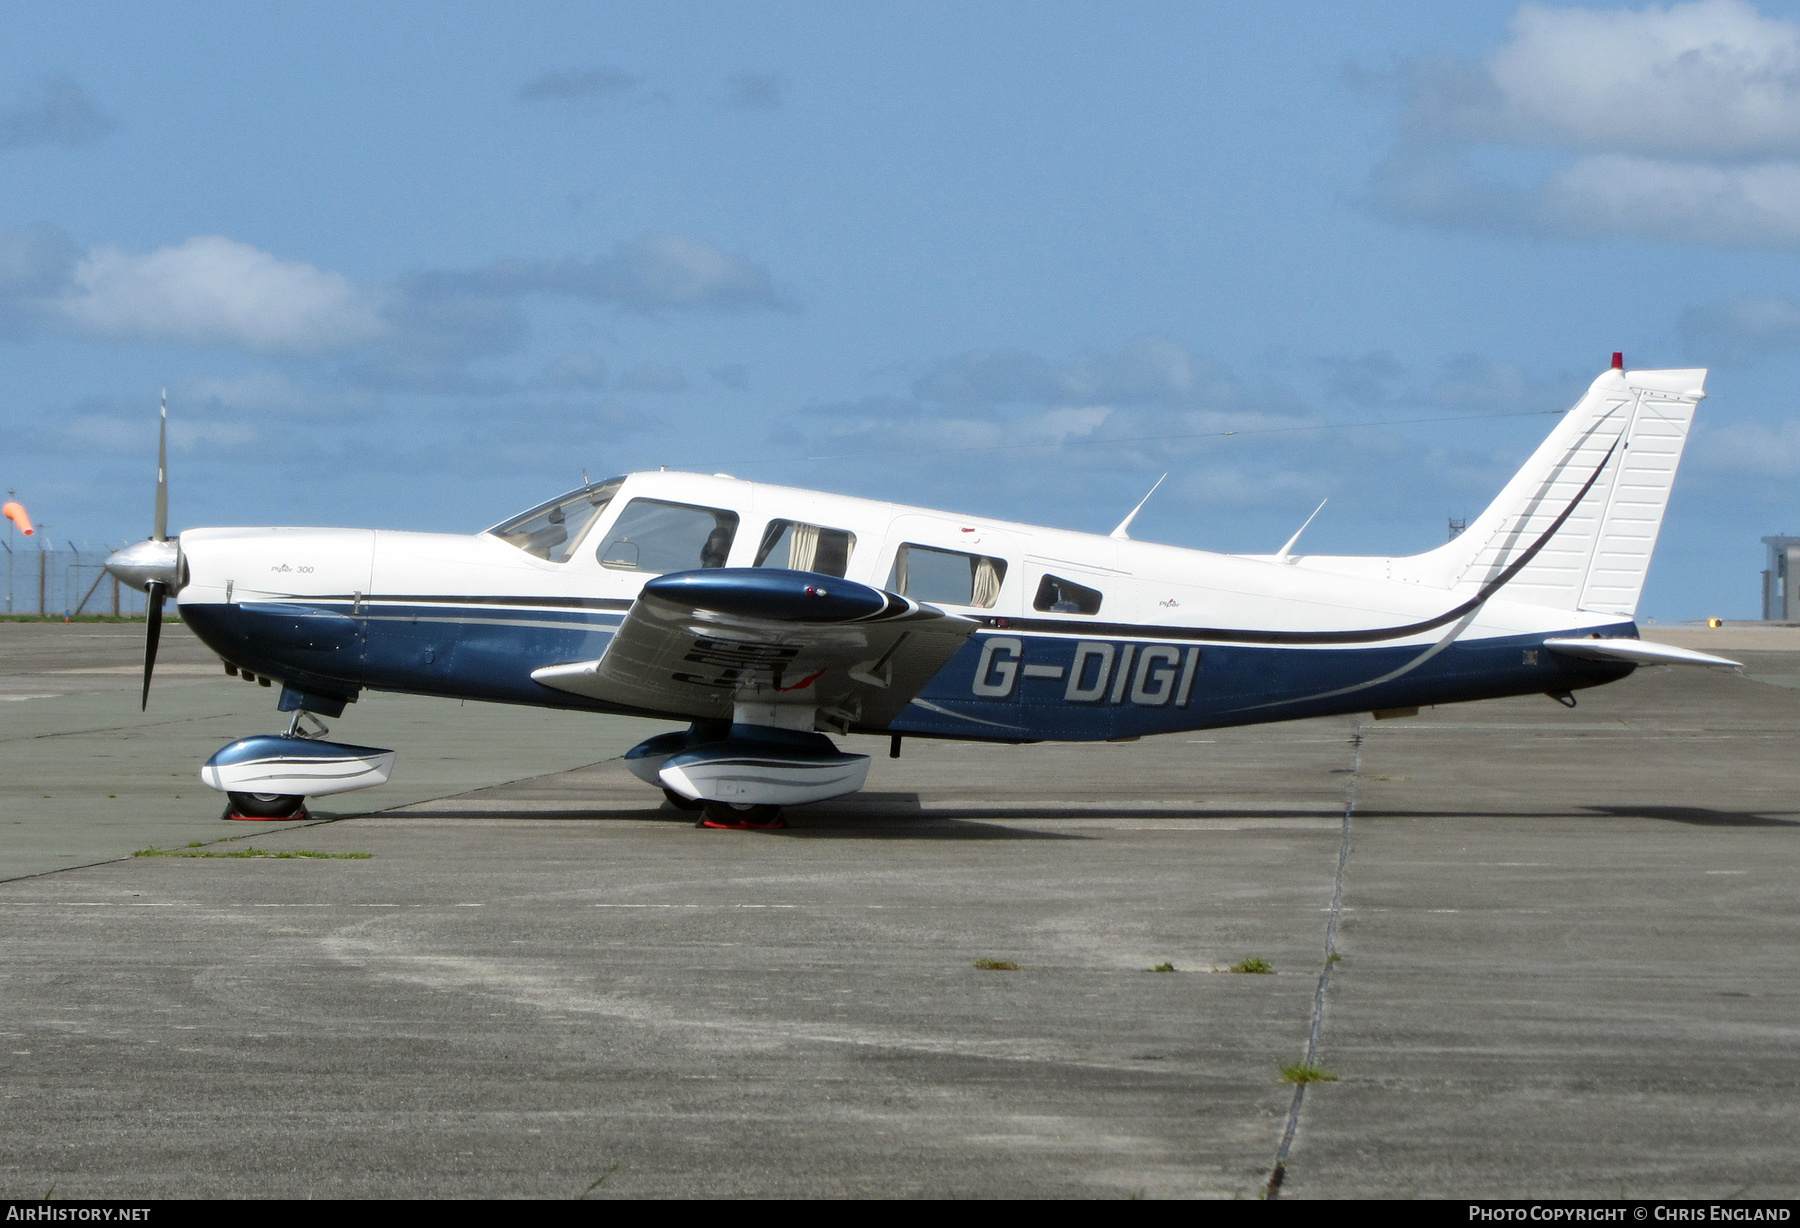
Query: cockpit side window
(806, 547)
(926, 573)
(1059, 596)
(551, 530)
(651, 535)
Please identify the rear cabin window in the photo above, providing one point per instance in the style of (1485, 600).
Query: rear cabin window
(1059, 596)
(806, 547)
(926, 573)
(651, 535)
(551, 530)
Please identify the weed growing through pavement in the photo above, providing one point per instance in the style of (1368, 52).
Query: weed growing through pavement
(601, 1180)
(1300, 1072)
(996, 965)
(1254, 963)
(254, 852)
(1163, 967)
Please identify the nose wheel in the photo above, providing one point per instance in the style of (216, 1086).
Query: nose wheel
(725, 816)
(265, 807)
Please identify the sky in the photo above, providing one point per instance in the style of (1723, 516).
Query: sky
(421, 266)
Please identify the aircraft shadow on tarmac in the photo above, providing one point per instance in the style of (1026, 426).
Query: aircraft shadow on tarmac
(900, 816)
(1696, 816)
(874, 816)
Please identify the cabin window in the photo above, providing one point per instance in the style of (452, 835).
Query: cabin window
(806, 547)
(551, 530)
(926, 573)
(1060, 596)
(651, 535)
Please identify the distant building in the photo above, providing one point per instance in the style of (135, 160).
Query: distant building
(1781, 595)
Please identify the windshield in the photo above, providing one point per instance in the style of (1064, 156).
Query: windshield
(550, 530)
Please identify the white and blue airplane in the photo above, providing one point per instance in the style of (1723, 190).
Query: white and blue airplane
(769, 618)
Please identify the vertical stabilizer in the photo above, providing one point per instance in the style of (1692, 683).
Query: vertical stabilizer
(1632, 427)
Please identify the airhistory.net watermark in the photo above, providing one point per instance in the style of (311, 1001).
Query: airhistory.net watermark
(74, 1213)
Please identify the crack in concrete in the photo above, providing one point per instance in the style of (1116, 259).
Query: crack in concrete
(1272, 1189)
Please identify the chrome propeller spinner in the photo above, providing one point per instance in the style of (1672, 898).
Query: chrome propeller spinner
(154, 565)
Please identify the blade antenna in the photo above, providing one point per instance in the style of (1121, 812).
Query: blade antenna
(1287, 551)
(162, 475)
(1125, 524)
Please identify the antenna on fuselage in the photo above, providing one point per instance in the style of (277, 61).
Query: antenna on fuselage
(1287, 551)
(1125, 524)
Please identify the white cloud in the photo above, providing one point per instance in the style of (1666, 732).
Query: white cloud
(672, 270)
(1742, 329)
(419, 331)
(1150, 369)
(654, 272)
(1740, 450)
(268, 394)
(1236, 487)
(58, 112)
(1684, 202)
(653, 377)
(254, 391)
(757, 91)
(98, 429)
(577, 369)
(216, 291)
(576, 83)
(1685, 121)
(1703, 79)
(1062, 425)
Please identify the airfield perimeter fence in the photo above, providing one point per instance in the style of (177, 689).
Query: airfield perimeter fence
(65, 582)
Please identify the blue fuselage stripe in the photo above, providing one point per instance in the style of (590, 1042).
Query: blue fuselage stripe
(1008, 685)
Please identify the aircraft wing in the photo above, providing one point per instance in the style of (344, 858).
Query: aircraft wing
(695, 643)
(1638, 652)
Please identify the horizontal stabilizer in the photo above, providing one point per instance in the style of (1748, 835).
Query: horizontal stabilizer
(1638, 652)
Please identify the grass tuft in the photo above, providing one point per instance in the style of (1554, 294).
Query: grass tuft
(1163, 967)
(1253, 963)
(1300, 1072)
(253, 852)
(996, 965)
(600, 1181)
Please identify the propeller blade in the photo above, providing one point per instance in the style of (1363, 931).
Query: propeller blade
(162, 475)
(152, 633)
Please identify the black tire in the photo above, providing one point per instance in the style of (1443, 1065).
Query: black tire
(728, 812)
(680, 802)
(266, 805)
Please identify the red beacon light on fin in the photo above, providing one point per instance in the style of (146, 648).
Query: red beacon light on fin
(1618, 361)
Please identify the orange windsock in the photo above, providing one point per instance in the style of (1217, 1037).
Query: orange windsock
(16, 513)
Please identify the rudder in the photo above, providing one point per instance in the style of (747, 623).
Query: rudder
(1635, 423)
